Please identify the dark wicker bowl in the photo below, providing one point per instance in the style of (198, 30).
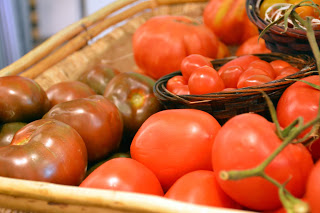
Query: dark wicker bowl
(292, 42)
(224, 105)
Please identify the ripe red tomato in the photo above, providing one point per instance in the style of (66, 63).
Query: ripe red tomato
(124, 174)
(175, 82)
(67, 91)
(174, 142)
(252, 46)
(21, 99)
(278, 65)
(263, 65)
(45, 150)
(205, 80)
(244, 142)
(191, 63)
(300, 99)
(160, 50)
(8, 130)
(97, 120)
(313, 189)
(287, 71)
(230, 76)
(254, 80)
(181, 90)
(200, 187)
(229, 21)
(242, 61)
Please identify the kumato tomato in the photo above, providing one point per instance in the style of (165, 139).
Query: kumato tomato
(313, 189)
(300, 99)
(8, 130)
(244, 142)
(124, 174)
(200, 187)
(174, 142)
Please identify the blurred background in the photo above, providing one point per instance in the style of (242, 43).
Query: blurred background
(24, 24)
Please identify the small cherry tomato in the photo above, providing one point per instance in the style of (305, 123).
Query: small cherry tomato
(254, 80)
(242, 61)
(287, 71)
(252, 72)
(278, 65)
(230, 76)
(191, 63)
(263, 65)
(176, 81)
(181, 90)
(124, 174)
(205, 80)
(200, 187)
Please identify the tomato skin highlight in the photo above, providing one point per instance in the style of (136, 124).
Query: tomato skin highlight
(200, 187)
(124, 174)
(174, 142)
(244, 142)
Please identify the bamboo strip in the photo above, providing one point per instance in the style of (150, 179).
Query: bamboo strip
(64, 35)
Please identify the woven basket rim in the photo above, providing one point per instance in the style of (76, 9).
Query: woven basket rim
(252, 12)
(246, 93)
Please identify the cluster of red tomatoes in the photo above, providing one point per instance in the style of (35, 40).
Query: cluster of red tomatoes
(199, 77)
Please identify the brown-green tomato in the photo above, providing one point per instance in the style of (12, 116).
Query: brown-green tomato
(8, 130)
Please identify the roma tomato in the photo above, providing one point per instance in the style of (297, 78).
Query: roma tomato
(205, 80)
(200, 187)
(97, 120)
(45, 150)
(252, 46)
(21, 99)
(174, 142)
(230, 76)
(124, 174)
(132, 93)
(162, 42)
(67, 91)
(244, 142)
(8, 130)
(300, 99)
(313, 189)
(191, 63)
(98, 77)
(229, 21)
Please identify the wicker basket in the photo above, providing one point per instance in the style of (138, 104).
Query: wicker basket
(294, 41)
(105, 35)
(224, 105)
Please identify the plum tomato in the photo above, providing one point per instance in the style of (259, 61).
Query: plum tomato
(205, 80)
(244, 142)
(45, 150)
(200, 187)
(300, 99)
(242, 61)
(21, 99)
(191, 63)
(97, 120)
(8, 130)
(124, 174)
(230, 76)
(67, 91)
(174, 142)
(98, 77)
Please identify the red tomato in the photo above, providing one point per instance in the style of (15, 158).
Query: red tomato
(200, 187)
(313, 189)
(254, 80)
(278, 65)
(263, 65)
(162, 42)
(97, 120)
(252, 46)
(230, 76)
(300, 99)
(124, 174)
(174, 142)
(287, 71)
(21, 100)
(205, 80)
(229, 21)
(181, 90)
(244, 142)
(191, 63)
(67, 91)
(242, 61)
(175, 82)
(45, 150)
